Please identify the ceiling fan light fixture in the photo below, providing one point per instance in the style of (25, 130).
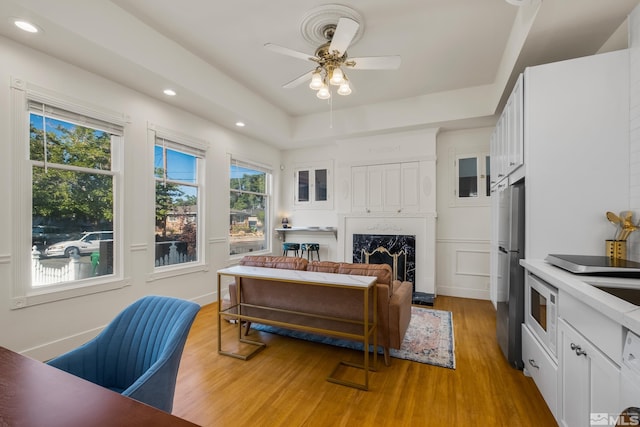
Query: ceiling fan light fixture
(324, 92)
(337, 77)
(344, 89)
(316, 81)
(335, 32)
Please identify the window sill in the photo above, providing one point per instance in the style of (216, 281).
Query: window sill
(176, 270)
(50, 294)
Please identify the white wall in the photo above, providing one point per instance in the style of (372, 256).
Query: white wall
(462, 244)
(634, 140)
(44, 330)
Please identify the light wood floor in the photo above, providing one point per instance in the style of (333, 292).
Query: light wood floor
(285, 384)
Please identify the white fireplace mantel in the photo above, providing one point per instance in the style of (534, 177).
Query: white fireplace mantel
(421, 225)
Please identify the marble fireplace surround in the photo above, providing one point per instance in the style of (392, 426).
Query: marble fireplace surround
(398, 251)
(420, 225)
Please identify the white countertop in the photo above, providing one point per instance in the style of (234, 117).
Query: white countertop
(302, 276)
(578, 286)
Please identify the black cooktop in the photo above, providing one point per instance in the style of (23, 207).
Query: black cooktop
(595, 265)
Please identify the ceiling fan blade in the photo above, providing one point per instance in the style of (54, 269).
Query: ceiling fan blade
(289, 52)
(298, 81)
(345, 32)
(375, 63)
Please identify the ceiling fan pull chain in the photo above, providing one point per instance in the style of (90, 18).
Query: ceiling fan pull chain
(331, 113)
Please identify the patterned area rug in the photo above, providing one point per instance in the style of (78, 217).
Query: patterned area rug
(429, 338)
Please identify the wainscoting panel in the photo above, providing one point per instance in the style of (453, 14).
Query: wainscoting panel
(462, 268)
(472, 263)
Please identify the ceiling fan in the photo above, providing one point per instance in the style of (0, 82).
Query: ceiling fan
(331, 59)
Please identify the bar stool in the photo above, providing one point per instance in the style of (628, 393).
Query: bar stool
(310, 248)
(286, 247)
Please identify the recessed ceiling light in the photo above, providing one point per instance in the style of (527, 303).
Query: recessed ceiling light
(170, 92)
(26, 26)
(240, 124)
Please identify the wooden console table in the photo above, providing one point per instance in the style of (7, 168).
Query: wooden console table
(367, 326)
(34, 394)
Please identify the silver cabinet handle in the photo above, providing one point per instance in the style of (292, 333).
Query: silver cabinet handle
(574, 347)
(532, 362)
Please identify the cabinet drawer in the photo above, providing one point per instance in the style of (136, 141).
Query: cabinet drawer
(602, 331)
(541, 367)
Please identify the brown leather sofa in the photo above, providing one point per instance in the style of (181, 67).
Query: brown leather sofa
(394, 297)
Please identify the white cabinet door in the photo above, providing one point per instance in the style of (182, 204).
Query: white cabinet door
(493, 153)
(410, 187)
(515, 140)
(507, 140)
(359, 189)
(390, 188)
(500, 149)
(541, 367)
(589, 381)
(375, 188)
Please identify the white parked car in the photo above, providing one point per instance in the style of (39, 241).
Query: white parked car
(89, 242)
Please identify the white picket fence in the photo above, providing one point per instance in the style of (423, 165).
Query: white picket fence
(174, 257)
(47, 275)
(75, 270)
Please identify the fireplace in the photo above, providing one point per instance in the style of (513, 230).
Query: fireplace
(398, 251)
(413, 234)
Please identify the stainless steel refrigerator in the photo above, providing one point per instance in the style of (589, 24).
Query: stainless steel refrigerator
(510, 298)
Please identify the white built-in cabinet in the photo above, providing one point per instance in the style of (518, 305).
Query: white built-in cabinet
(389, 187)
(590, 382)
(507, 139)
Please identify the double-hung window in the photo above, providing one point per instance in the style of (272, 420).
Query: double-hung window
(68, 170)
(179, 195)
(249, 221)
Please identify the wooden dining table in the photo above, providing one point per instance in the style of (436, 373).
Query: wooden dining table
(33, 393)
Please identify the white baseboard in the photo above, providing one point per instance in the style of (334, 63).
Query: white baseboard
(463, 293)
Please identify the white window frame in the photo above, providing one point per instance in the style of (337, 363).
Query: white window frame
(198, 148)
(269, 220)
(312, 203)
(481, 163)
(23, 293)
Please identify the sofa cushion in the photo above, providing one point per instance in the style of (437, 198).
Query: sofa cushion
(285, 262)
(381, 271)
(323, 266)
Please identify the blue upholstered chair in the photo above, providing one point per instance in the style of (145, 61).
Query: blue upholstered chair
(138, 353)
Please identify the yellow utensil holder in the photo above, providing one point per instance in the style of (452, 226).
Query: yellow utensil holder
(617, 249)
